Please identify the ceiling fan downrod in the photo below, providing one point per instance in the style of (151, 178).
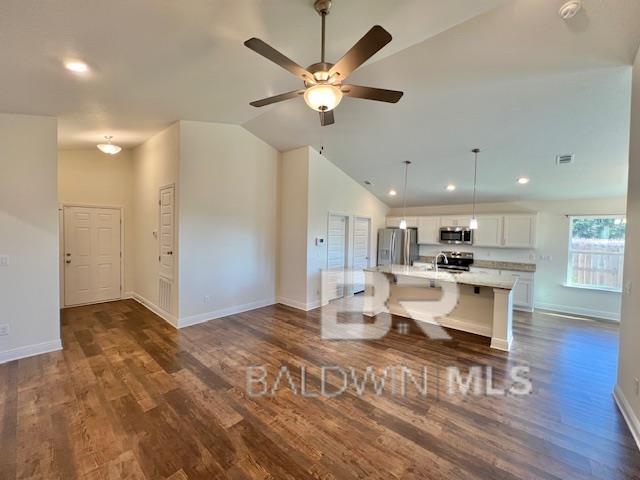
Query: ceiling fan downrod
(322, 7)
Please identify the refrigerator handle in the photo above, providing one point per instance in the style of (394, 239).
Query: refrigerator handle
(392, 248)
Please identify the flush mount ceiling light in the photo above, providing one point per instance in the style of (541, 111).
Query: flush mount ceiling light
(523, 180)
(570, 9)
(392, 192)
(76, 66)
(323, 80)
(451, 187)
(108, 147)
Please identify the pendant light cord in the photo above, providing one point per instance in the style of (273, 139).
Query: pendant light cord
(475, 179)
(404, 190)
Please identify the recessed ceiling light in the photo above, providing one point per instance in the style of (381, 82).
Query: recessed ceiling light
(76, 66)
(569, 9)
(523, 180)
(392, 193)
(451, 187)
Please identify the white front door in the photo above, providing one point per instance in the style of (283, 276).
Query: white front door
(336, 255)
(361, 253)
(91, 255)
(167, 226)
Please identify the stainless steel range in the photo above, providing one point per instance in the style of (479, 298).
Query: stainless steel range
(455, 261)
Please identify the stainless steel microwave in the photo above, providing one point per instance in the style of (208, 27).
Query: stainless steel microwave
(456, 235)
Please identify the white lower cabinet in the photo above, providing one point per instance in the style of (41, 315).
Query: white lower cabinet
(523, 291)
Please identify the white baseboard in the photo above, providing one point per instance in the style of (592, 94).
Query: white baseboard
(500, 344)
(167, 317)
(305, 307)
(587, 312)
(30, 351)
(223, 312)
(628, 413)
(127, 295)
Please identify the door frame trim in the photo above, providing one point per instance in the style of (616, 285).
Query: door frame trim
(61, 207)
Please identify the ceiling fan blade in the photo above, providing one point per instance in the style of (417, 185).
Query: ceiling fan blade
(326, 118)
(370, 93)
(365, 48)
(277, 98)
(275, 56)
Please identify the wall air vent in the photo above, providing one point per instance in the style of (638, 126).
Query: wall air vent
(565, 159)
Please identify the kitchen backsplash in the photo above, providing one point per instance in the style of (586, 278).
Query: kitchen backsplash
(483, 253)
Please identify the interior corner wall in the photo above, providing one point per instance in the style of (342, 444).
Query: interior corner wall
(29, 285)
(333, 191)
(155, 165)
(293, 184)
(628, 387)
(90, 177)
(228, 221)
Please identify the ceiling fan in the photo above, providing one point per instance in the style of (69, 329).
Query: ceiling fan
(323, 81)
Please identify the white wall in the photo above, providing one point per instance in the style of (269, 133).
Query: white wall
(552, 241)
(29, 301)
(155, 165)
(293, 214)
(629, 362)
(333, 191)
(90, 177)
(311, 187)
(228, 221)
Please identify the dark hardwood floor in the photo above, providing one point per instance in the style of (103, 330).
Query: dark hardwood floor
(130, 397)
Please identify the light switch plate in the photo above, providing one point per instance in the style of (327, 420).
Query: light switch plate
(4, 260)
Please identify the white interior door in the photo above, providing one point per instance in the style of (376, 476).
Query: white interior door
(167, 227)
(337, 255)
(361, 251)
(92, 255)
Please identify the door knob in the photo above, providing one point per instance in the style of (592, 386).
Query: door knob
(68, 261)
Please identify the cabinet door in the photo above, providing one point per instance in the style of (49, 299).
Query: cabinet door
(522, 293)
(489, 232)
(428, 230)
(519, 231)
(455, 221)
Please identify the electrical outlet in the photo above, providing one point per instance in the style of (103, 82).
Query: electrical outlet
(4, 330)
(4, 260)
(545, 258)
(207, 298)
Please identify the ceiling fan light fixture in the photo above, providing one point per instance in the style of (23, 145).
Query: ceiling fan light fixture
(323, 97)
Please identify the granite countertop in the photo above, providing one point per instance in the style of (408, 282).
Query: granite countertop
(465, 278)
(495, 264)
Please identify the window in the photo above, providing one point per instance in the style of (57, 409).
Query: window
(596, 252)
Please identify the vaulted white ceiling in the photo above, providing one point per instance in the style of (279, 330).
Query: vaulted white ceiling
(508, 76)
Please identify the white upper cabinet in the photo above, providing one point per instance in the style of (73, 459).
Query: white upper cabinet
(519, 231)
(394, 222)
(428, 230)
(455, 221)
(489, 232)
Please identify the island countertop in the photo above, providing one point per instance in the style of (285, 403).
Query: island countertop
(465, 278)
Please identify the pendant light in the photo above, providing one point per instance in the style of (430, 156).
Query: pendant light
(109, 147)
(403, 222)
(473, 224)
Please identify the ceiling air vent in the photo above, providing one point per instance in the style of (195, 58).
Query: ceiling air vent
(565, 159)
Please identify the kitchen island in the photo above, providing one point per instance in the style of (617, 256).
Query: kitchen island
(478, 303)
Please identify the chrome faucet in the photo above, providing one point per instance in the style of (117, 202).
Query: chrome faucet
(435, 260)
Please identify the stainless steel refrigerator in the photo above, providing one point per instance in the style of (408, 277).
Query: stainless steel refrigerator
(397, 247)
